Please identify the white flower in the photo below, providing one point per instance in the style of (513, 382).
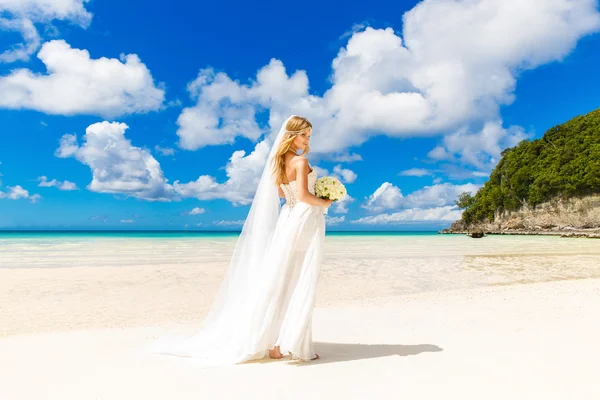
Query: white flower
(330, 188)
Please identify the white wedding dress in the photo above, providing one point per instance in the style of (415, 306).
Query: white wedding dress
(271, 304)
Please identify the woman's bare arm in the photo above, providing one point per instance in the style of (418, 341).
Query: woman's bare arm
(281, 194)
(301, 167)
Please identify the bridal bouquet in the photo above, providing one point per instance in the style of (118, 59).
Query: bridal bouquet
(330, 188)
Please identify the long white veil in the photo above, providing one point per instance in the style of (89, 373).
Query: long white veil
(252, 243)
(227, 335)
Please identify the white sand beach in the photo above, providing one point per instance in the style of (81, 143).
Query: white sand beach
(396, 317)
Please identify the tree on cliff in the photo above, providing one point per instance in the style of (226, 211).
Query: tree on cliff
(565, 162)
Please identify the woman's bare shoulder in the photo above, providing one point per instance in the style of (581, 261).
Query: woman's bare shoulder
(299, 162)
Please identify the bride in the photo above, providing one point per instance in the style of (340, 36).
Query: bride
(266, 299)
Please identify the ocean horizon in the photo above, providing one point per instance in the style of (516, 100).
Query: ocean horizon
(48, 233)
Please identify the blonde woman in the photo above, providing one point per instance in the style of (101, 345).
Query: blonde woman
(265, 302)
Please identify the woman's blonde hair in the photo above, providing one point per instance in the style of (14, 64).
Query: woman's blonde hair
(295, 126)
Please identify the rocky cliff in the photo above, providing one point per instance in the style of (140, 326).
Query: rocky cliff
(546, 186)
(572, 217)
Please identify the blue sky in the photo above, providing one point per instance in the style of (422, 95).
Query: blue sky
(411, 104)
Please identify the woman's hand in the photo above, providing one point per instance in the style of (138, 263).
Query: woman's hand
(327, 203)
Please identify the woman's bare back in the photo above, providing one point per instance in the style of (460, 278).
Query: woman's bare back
(290, 168)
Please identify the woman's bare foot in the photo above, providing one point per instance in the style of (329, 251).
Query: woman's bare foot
(275, 353)
(316, 358)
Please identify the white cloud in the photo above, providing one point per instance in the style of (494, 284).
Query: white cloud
(480, 174)
(334, 220)
(117, 166)
(47, 10)
(20, 51)
(341, 206)
(17, 192)
(415, 172)
(229, 223)
(164, 151)
(452, 68)
(446, 213)
(65, 185)
(321, 172)
(34, 198)
(127, 221)
(439, 153)
(243, 172)
(346, 175)
(225, 109)
(342, 174)
(77, 84)
(389, 197)
(23, 14)
(480, 149)
(462, 172)
(346, 157)
(121, 168)
(68, 146)
(438, 195)
(355, 28)
(196, 211)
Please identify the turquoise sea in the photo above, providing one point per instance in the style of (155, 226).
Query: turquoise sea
(166, 234)
(170, 275)
(402, 251)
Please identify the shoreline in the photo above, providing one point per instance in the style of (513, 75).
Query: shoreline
(568, 233)
(116, 283)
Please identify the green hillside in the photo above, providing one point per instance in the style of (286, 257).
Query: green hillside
(565, 162)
